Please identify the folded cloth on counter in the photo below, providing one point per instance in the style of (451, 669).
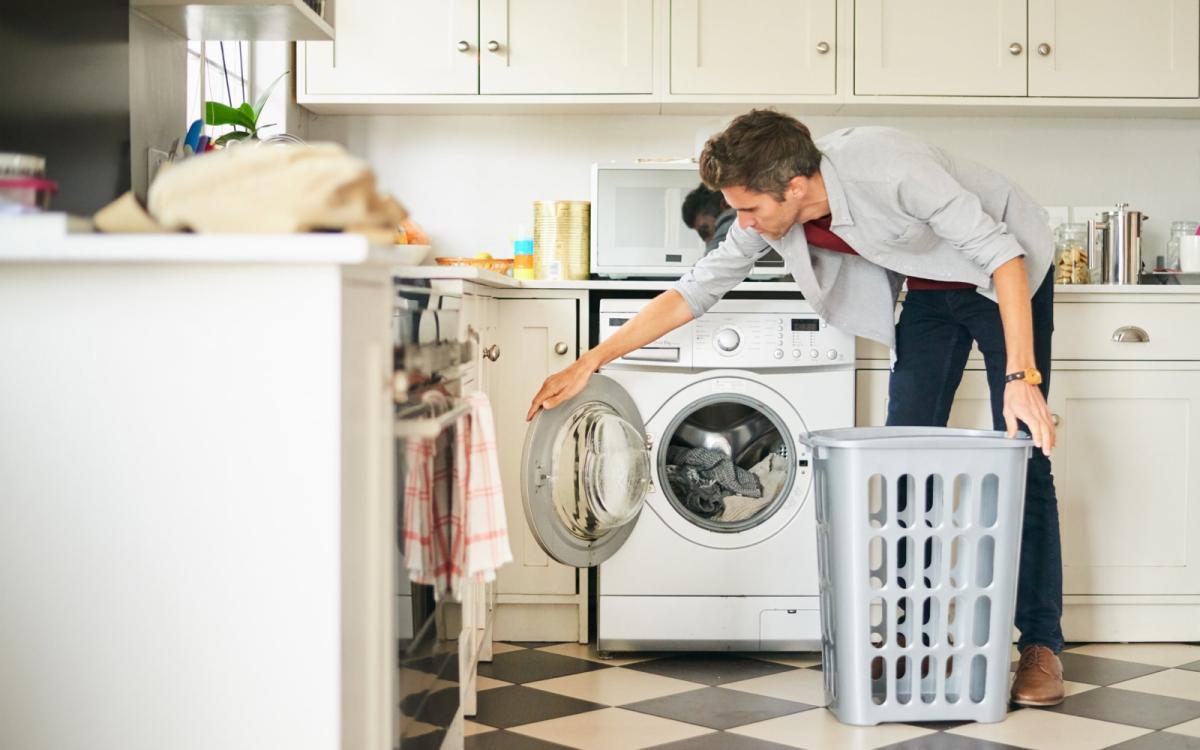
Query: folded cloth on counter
(484, 540)
(772, 472)
(273, 189)
(702, 477)
(431, 519)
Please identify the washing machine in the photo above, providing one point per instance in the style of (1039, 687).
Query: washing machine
(647, 474)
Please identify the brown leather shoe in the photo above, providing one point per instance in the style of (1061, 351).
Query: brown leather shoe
(1039, 680)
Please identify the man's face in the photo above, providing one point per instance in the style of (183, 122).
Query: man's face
(705, 225)
(762, 212)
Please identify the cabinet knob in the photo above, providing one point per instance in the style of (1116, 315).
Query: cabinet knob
(493, 46)
(1130, 335)
(1054, 418)
(560, 347)
(492, 353)
(1043, 49)
(463, 46)
(823, 48)
(1016, 48)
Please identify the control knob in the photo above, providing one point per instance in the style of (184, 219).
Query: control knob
(728, 339)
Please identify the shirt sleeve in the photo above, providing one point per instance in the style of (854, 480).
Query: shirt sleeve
(927, 192)
(721, 270)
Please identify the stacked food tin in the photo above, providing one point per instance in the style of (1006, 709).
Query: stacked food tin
(560, 239)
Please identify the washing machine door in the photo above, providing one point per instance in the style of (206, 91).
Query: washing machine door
(585, 474)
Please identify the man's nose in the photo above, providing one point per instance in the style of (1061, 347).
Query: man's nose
(745, 221)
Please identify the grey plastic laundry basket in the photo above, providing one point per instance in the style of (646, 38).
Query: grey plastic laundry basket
(918, 542)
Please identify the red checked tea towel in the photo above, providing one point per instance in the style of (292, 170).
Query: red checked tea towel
(432, 522)
(477, 479)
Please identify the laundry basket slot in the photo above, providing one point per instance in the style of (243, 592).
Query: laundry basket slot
(918, 537)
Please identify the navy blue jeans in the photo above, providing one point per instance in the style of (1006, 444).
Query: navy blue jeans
(933, 339)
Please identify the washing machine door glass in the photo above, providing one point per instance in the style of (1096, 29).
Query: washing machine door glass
(585, 474)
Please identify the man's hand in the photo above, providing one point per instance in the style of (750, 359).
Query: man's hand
(562, 385)
(1025, 402)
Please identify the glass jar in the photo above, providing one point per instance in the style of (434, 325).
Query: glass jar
(1178, 229)
(1071, 254)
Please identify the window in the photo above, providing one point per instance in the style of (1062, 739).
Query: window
(219, 72)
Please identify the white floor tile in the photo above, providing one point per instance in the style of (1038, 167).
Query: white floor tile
(487, 683)
(610, 729)
(500, 647)
(588, 651)
(471, 728)
(818, 729)
(1177, 683)
(1160, 654)
(798, 660)
(802, 685)
(1189, 728)
(1044, 729)
(614, 687)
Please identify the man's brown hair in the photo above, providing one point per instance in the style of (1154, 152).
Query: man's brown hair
(760, 151)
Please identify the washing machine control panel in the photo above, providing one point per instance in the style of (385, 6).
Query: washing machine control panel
(759, 334)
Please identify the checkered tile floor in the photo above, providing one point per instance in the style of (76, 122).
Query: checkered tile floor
(560, 695)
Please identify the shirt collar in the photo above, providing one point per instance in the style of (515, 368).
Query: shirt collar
(839, 212)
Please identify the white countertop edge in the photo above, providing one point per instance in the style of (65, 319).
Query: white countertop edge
(318, 248)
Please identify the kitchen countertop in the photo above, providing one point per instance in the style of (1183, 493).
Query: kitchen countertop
(335, 248)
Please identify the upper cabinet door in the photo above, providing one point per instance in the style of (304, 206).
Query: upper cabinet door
(782, 47)
(940, 47)
(396, 47)
(1114, 48)
(566, 47)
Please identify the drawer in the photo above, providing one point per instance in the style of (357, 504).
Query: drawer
(1086, 330)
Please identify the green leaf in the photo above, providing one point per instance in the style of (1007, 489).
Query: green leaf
(262, 100)
(248, 111)
(237, 135)
(216, 113)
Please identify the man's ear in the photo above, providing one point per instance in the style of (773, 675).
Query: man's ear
(797, 186)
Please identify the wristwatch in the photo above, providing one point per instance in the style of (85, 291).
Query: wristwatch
(1032, 376)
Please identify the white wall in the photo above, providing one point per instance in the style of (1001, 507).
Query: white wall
(470, 180)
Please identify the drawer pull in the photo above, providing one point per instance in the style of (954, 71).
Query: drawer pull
(1055, 419)
(1130, 335)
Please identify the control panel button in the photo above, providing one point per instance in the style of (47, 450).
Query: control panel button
(796, 353)
(832, 354)
(815, 354)
(778, 354)
(727, 339)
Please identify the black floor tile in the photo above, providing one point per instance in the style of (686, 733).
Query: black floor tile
(722, 741)
(947, 742)
(514, 705)
(507, 741)
(709, 669)
(1159, 741)
(1129, 707)
(718, 708)
(1096, 670)
(1194, 666)
(530, 666)
(534, 644)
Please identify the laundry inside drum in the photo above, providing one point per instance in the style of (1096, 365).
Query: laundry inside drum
(726, 465)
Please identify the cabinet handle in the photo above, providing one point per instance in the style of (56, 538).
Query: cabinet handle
(1016, 48)
(1130, 335)
(560, 347)
(463, 46)
(493, 46)
(492, 353)
(1043, 49)
(1055, 419)
(823, 48)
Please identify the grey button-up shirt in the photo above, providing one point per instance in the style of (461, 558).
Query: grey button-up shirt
(908, 209)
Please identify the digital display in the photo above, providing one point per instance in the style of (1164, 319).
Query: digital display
(806, 324)
(617, 321)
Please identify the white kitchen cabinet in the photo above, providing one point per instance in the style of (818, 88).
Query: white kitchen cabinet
(940, 47)
(716, 50)
(530, 337)
(394, 47)
(566, 47)
(1128, 434)
(549, 47)
(1114, 48)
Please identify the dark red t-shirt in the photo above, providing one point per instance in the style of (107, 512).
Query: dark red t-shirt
(820, 235)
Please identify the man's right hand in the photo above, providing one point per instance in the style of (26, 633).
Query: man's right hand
(561, 386)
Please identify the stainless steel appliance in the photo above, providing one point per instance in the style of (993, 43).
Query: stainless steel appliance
(429, 359)
(1117, 236)
(637, 227)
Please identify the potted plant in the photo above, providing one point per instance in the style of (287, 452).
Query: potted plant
(244, 116)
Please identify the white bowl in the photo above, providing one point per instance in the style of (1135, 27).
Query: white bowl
(413, 255)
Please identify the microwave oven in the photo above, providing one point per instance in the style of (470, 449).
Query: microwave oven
(637, 227)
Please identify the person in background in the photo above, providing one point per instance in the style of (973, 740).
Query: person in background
(855, 215)
(706, 211)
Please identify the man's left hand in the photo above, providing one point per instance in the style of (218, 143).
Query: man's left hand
(1024, 402)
